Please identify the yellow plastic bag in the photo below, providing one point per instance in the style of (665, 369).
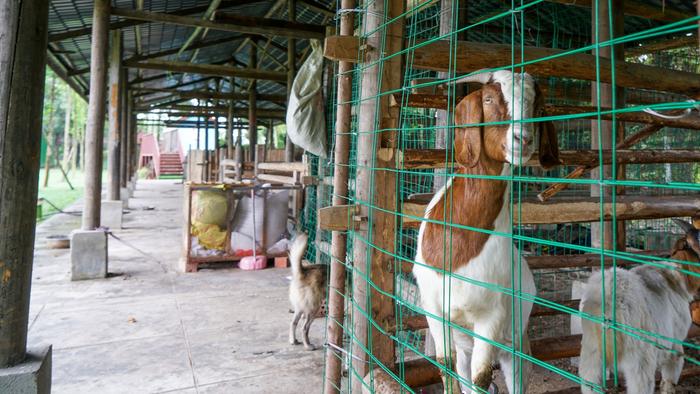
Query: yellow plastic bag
(210, 236)
(209, 207)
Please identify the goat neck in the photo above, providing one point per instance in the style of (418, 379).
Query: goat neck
(473, 202)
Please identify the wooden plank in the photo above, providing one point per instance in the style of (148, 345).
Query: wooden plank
(470, 56)
(285, 180)
(587, 209)
(283, 166)
(207, 69)
(339, 218)
(241, 24)
(435, 158)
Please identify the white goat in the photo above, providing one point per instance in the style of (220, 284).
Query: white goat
(649, 298)
(481, 203)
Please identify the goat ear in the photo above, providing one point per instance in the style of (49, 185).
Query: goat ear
(549, 143)
(468, 139)
(549, 146)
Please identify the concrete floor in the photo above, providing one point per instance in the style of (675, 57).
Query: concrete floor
(151, 329)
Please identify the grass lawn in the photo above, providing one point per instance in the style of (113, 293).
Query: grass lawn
(58, 192)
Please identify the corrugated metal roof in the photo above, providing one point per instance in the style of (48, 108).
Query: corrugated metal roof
(545, 24)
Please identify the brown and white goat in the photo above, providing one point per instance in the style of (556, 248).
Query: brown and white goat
(482, 150)
(650, 298)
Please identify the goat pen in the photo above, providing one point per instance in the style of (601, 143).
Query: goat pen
(621, 82)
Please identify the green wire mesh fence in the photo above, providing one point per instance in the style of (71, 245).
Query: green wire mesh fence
(562, 253)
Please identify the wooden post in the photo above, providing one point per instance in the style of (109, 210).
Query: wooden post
(376, 150)
(96, 115)
(115, 93)
(336, 291)
(23, 40)
(126, 137)
(124, 132)
(603, 138)
(291, 72)
(441, 117)
(206, 149)
(252, 105)
(229, 121)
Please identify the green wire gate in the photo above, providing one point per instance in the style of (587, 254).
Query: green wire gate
(401, 151)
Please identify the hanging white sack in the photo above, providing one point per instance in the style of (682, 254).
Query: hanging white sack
(306, 121)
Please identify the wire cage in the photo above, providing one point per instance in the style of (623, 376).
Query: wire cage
(620, 85)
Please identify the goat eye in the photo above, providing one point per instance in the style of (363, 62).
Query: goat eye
(487, 100)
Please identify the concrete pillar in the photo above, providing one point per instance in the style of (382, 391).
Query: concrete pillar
(23, 41)
(291, 72)
(96, 115)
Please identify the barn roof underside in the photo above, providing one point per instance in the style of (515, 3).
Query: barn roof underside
(550, 24)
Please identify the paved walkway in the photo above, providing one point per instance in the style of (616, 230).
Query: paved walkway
(150, 329)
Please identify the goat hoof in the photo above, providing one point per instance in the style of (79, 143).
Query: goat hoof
(667, 387)
(310, 348)
(493, 389)
(294, 342)
(484, 379)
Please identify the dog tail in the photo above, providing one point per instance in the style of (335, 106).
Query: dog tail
(297, 251)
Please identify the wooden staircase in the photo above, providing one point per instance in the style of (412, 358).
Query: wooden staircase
(170, 166)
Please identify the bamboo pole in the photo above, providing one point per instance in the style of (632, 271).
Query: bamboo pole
(96, 115)
(336, 290)
(23, 41)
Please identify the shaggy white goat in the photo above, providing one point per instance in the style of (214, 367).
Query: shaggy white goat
(651, 299)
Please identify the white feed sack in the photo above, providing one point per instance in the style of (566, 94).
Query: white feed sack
(306, 121)
(275, 207)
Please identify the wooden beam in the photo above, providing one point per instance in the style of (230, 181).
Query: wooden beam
(587, 209)
(585, 260)
(191, 110)
(692, 121)
(639, 9)
(208, 69)
(471, 56)
(435, 158)
(274, 27)
(251, 25)
(208, 95)
(62, 73)
(661, 45)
